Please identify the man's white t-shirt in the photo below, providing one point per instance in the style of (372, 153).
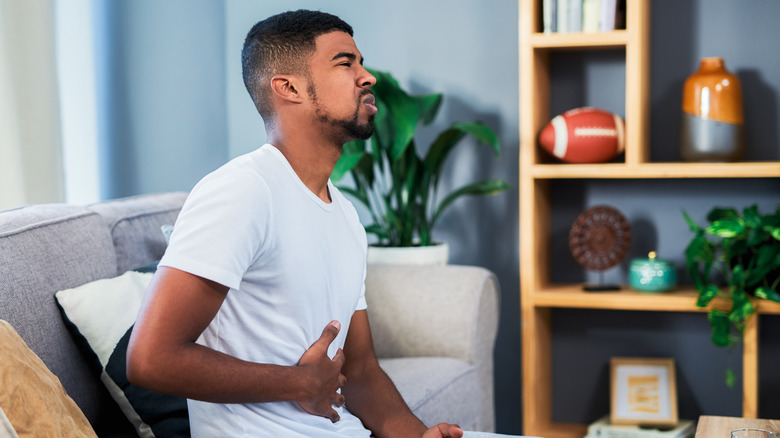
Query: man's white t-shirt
(293, 263)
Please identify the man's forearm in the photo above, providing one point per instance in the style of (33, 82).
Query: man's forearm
(372, 397)
(200, 373)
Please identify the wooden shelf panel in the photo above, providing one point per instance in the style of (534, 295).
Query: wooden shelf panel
(562, 430)
(681, 299)
(768, 169)
(580, 40)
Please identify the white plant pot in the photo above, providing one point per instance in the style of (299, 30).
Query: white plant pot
(413, 255)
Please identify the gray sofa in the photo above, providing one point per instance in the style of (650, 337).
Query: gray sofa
(434, 327)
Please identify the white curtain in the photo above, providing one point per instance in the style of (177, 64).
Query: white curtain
(30, 145)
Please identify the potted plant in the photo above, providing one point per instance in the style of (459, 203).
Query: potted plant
(398, 186)
(744, 253)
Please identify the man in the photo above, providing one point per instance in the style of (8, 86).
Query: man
(266, 264)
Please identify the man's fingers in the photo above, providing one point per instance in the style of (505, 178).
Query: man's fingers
(339, 358)
(334, 416)
(329, 334)
(450, 430)
(340, 401)
(342, 380)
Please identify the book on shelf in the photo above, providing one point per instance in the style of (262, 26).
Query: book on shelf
(561, 16)
(607, 13)
(612, 15)
(604, 429)
(574, 16)
(590, 15)
(549, 16)
(570, 16)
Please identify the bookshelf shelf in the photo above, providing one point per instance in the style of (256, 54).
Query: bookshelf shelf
(682, 299)
(657, 170)
(580, 40)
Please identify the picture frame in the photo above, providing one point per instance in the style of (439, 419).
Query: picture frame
(643, 391)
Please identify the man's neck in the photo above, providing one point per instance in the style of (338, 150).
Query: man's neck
(312, 160)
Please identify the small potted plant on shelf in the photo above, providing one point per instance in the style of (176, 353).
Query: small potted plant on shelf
(398, 186)
(742, 252)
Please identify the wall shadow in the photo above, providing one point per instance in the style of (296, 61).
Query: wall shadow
(671, 62)
(759, 103)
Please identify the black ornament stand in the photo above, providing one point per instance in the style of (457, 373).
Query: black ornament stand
(600, 286)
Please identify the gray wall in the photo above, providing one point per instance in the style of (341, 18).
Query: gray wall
(161, 93)
(174, 108)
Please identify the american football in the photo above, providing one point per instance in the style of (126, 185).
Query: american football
(584, 135)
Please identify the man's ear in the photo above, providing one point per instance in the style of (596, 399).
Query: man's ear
(287, 87)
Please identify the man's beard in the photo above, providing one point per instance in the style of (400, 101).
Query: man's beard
(350, 126)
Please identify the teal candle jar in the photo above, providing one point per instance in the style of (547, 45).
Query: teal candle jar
(652, 275)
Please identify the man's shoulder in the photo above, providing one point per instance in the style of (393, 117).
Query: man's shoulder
(246, 172)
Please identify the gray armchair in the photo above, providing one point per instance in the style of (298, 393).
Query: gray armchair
(434, 330)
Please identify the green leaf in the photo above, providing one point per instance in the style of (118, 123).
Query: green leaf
(481, 132)
(756, 236)
(731, 378)
(767, 294)
(447, 140)
(440, 149)
(742, 307)
(737, 275)
(346, 162)
(390, 177)
(721, 328)
(691, 224)
(364, 172)
(751, 217)
(699, 249)
(429, 106)
(727, 227)
(706, 295)
(771, 220)
(401, 110)
(720, 213)
(734, 248)
(377, 230)
(763, 260)
(356, 194)
(489, 187)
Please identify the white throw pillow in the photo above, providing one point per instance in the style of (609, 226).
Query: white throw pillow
(100, 315)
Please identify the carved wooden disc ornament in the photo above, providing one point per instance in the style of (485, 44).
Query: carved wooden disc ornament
(599, 238)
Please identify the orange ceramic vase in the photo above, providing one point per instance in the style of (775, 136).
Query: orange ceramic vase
(712, 121)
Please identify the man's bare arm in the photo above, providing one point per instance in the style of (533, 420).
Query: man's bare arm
(372, 396)
(163, 356)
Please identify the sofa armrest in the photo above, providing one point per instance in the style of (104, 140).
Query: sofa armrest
(437, 311)
(445, 311)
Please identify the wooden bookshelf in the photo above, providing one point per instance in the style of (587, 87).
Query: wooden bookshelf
(681, 299)
(656, 170)
(538, 296)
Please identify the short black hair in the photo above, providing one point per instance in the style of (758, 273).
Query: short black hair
(281, 44)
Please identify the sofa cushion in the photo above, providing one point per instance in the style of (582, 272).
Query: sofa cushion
(101, 315)
(32, 398)
(437, 389)
(135, 226)
(53, 247)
